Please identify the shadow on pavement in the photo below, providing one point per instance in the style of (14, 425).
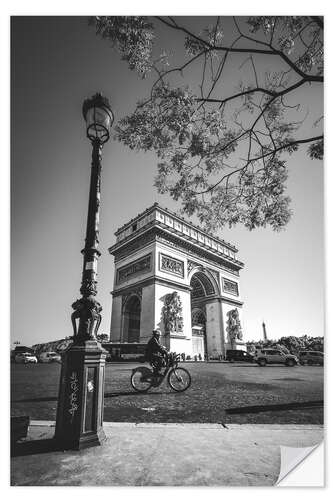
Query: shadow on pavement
(255, 365)
(106, 395)
(35, 400)
(279, 407)
(133, 393)
(34, 447)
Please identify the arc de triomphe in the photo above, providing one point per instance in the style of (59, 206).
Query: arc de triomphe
(171, 275)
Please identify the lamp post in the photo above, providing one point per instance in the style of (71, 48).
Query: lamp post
(81, 393)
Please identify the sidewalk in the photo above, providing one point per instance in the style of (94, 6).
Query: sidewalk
(163, 455)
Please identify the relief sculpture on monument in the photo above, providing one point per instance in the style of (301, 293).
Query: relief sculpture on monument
(234, 329)
(171, 265)
(172, 313)
(134, 268)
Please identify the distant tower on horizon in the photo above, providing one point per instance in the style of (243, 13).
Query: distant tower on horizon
(264, 330)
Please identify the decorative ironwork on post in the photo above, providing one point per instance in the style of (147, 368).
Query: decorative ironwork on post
(81, 393)
(86, 317)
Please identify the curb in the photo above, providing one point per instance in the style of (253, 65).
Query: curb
(271, 427)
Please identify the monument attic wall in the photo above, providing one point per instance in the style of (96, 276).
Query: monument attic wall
(170, 223)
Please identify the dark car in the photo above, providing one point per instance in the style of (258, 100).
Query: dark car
(237, 355)
(311, 357)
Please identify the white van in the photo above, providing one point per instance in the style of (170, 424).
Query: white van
(49, 357)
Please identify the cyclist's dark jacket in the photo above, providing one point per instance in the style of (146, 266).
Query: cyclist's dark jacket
(153, 348)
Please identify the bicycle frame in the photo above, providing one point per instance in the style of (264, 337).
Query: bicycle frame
(172, 362)
(155, 379)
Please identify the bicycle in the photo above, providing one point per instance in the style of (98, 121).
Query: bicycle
(179, 379)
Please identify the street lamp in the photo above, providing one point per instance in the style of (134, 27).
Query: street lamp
(81, 393)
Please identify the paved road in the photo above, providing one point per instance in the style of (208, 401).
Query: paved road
(220, 392)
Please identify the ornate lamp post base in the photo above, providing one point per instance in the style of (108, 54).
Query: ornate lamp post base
(81, 396)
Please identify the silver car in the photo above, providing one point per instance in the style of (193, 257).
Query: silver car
(271, 356)
(25, 357)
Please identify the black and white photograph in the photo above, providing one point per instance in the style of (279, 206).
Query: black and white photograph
(167, 270)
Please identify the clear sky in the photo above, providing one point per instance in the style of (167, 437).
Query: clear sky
(57, 63)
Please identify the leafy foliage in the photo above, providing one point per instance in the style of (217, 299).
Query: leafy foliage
(293, 344)
(132, 36)
(222, 152)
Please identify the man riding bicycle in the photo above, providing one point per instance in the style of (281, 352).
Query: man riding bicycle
(156, 352)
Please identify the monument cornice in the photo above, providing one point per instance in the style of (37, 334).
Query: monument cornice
(155, 232)
(153, 280)
(230, 300)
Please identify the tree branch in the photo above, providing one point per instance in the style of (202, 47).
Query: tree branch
(261, 157)
(240, 50)
(288, 145)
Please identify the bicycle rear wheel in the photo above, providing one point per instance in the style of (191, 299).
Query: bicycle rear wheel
(179, 379)
(142, 379)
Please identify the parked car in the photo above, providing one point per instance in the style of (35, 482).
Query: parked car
(311, 357)
(19, 349)
(25, 357)
(270, 356)
(238, 355)
(49, 357)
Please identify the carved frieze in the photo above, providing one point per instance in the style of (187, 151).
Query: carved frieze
(139, 266)
(171, 265)
(230, 286)
(189, 250)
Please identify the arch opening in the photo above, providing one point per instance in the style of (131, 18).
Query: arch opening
(201, 286)
(131, 319)
(201, 289)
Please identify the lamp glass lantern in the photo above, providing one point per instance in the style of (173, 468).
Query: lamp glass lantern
(99, 118)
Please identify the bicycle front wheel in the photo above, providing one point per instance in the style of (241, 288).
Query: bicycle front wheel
(142, 379)
(179, 379)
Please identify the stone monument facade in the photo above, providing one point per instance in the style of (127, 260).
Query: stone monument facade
(171, 275)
